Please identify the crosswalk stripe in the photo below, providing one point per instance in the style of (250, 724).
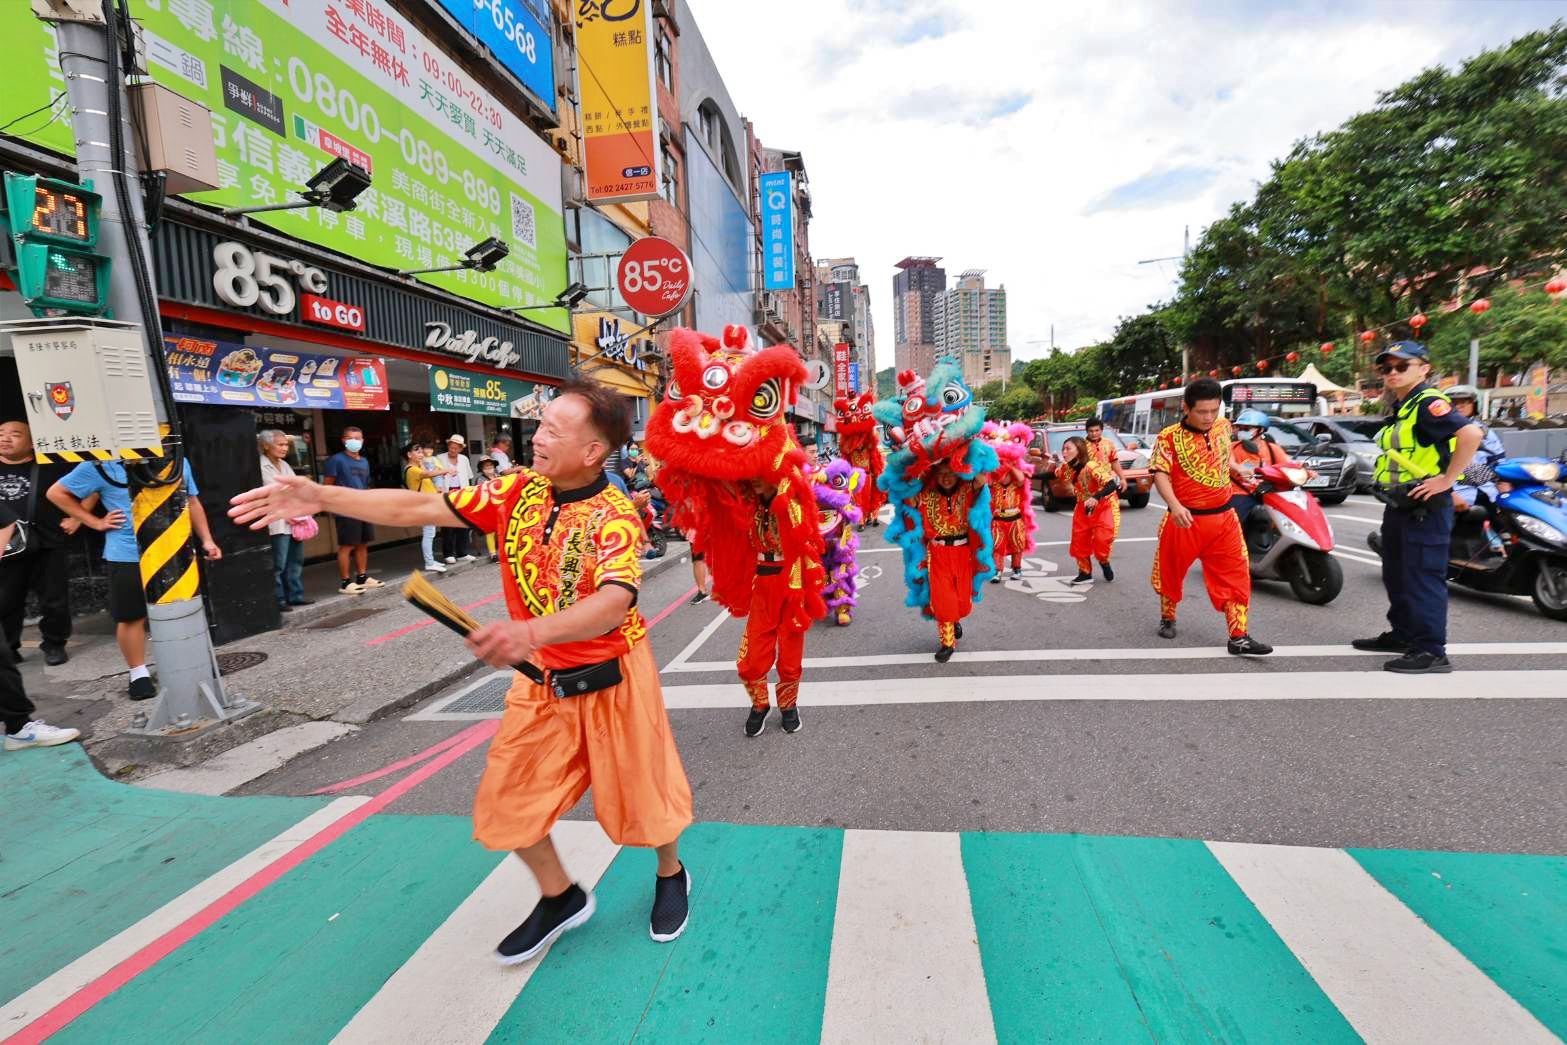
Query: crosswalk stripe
(1388, 972)
(1158, 653)
(905, 962)
(1287, 686)
(451, 989)
(25, 1008)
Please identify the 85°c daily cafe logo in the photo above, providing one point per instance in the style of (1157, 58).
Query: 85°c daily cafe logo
(470, 346)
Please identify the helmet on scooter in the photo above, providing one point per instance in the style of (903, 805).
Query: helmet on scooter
(1463, 392)
(1252, 418)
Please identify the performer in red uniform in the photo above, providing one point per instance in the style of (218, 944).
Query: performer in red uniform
(1009, 532)
(1097, 518)
(944, 506)
(859, 444)
(1191, 471)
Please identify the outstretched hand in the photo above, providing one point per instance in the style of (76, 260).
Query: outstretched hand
(287, 497)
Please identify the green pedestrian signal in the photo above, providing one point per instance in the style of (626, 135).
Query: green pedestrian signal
(53, 227)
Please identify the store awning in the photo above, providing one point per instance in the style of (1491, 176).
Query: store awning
(1316, 377)
(624, 382)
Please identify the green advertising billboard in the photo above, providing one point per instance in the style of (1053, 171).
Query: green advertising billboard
(465, 392)
(293, 84)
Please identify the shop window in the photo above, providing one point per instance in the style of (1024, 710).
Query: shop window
(662, 62)
(670, 185)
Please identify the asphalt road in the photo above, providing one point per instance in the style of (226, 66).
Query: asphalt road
(1101, 730)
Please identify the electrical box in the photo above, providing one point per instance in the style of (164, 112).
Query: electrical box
(177, 133)
(88, 391)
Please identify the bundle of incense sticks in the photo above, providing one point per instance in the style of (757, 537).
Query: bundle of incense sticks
(428, 598)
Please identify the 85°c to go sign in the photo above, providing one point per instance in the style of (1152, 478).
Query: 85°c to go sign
(654, 277)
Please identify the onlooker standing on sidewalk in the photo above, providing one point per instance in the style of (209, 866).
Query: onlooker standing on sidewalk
(416, 477)
(16, 711)
(288, 553)
(459, 473)
(127, 599)
(500, 453)
(349, 468)
(488, 471)
(43, 567)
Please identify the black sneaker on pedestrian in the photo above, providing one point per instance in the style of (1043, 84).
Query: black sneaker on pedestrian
(54, 656)
(957, 630)
(995, 578)
(1167, 629)
(1081, 578)
(791, 719)
(1108, 571)
(1419, 662)
(302, 602)
(671, 906)
(551, 916)
(944, 654)
(1387, 642)
(284, 607)
(699, 598)
(143, 688)
(755, 722)
(1245, 645)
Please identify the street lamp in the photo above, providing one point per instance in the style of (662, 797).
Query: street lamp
(481, 257)
(333, 187)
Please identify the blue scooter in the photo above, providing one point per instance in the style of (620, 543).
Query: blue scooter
(1530, 520)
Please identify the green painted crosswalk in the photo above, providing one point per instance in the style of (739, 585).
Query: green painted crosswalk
(1079, 938)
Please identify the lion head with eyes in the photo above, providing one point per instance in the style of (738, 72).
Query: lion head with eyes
(721, 430)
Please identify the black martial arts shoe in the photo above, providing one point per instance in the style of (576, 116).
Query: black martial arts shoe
(944, 654)
(1248, 646)
(995, 578)
(791, 719)
(699, 598)
(1387, 642)
(552, 916)
(1167, 629)
(1109, 571)
(755, 722)
(957, 630)
(1081, 578)
(1419, 662)
(671, 906)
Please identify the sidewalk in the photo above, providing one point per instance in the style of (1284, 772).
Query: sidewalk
(348, 659)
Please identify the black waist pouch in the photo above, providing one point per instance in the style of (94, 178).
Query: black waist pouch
(576, 682)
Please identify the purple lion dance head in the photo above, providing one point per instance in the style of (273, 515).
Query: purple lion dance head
(835, 487)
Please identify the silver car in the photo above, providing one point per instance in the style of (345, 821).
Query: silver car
(1356, 436)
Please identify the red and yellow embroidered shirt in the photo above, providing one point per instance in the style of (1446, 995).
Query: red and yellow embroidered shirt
(1090, 479)
(559, 547)
(1006, 499)
(1198, 463)
(1102, 450)
(946, 514)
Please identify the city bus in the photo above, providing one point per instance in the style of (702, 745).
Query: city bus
(1142, 416)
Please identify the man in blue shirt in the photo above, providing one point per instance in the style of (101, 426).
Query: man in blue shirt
(127, 599)
(349, 468)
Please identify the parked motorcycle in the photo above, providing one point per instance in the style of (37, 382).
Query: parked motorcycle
(1528, 554)
(1288, 537)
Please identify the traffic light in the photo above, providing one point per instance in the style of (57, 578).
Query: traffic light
(53, 227)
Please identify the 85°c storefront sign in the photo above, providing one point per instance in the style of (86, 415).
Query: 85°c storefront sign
(249, 278)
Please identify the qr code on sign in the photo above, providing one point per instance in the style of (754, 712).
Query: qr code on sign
(522, 225)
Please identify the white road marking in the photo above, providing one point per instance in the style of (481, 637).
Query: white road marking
(1508, 649)
(452, 989)
(1225, 686)
(1366, 559)
(905, 962)
(28, 1006)
(1355, 518)
(245, 763)
(1388, 972)
(696, 643)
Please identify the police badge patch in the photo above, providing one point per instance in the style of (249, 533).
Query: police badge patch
(61, 399)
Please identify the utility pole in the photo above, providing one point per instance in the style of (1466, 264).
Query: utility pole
(190, 687)
(1186, 250)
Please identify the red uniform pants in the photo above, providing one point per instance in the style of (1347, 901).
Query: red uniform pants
(951, 570)
(1093, 534)
(1216, 541)
(768, 641)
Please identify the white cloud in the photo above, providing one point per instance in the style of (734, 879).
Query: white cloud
(1057, 145)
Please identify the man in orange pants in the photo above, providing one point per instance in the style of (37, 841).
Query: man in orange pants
(773, 637)
(950, 551)
(1191, 471)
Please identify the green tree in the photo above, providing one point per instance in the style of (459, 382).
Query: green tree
(989, 392)
(1522, 327)
(1018, 403)
(886, 383)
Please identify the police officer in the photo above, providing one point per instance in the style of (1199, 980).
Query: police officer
(1425, 447)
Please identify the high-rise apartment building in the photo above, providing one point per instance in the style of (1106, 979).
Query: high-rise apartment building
(970, 324)
(842, 298)
(915, 289)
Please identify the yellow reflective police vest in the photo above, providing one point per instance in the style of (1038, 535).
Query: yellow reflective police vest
(1405, 459)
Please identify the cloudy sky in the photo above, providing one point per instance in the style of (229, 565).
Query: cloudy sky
(1057, 145)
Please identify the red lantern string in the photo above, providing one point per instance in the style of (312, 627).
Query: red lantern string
(1292, 357)
(1262, 364)
(1326, 348)
(1236, 370)
(1368, 336)
(1417, 321)
(1480, 306)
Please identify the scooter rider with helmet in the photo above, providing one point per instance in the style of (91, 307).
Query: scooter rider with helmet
(1250, 451)
(1479, 480)
(1425, 447)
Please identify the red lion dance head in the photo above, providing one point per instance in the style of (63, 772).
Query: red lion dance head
(720, 431)
(858, 442)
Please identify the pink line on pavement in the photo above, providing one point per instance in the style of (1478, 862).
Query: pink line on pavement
(404, 763)
(400, 632)
(84, 999)
(672, 607)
